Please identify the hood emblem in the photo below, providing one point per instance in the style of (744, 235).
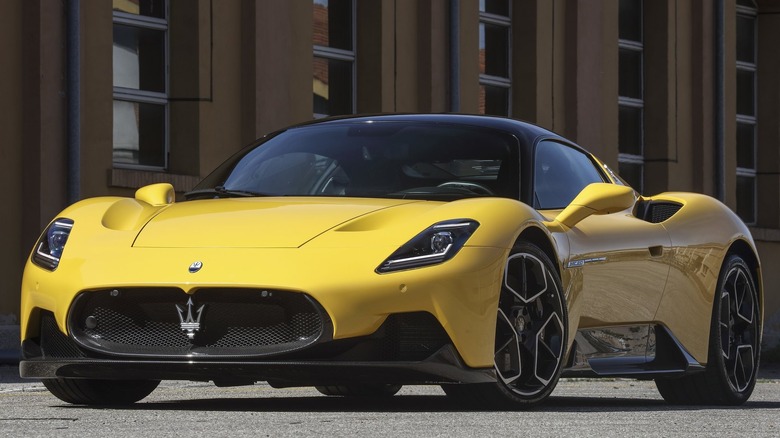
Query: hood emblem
(195, 267)
(189, 323)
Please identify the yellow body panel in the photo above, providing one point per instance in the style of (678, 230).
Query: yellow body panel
(336, 269)
(616, 269)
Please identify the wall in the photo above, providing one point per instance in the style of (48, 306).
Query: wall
(240, 69)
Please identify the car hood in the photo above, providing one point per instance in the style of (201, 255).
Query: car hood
(253, 222)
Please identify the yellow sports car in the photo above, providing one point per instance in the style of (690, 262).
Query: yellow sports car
(359, 254)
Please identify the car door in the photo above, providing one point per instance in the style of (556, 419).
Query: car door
(617, 264)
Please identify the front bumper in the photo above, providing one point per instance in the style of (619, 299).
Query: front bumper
(461, 294)
(410, 348)
(443, 367)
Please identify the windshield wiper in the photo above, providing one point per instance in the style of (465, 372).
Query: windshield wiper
(221, 192)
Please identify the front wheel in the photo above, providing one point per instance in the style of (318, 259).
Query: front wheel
(734, 344)
(531, 334)
(100, 392)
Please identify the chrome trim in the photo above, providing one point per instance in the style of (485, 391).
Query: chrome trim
(582, 262)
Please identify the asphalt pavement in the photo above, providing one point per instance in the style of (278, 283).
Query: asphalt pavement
(578, 407)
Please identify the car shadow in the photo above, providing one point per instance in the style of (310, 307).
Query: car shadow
(410, 403)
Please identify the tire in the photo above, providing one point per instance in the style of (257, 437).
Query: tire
(531, 335)
(375, 390)
(734, 345)
(100, 392)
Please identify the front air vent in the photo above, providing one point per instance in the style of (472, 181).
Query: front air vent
(210, 323)
(657, 212)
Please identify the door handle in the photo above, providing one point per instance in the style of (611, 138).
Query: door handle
(656, 251)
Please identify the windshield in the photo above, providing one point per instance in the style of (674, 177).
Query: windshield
(385, 159)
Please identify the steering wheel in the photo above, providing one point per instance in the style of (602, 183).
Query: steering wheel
(470, 186)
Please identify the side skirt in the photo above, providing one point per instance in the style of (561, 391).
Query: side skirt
(635, 351)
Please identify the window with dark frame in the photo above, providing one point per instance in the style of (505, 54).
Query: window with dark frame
(333, 40)
(140, 83)
(631, 103)
(495, 32)
(746, 110)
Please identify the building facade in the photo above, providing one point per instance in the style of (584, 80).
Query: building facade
(102, 97)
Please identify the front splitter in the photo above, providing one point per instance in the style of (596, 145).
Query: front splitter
(445, 366)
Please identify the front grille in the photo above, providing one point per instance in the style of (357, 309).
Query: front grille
(212, 322)
(405, 337)
(54, 343)
(416, 335)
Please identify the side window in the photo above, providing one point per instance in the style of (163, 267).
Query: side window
(560, 173)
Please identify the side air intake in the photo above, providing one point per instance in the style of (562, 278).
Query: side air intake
(657, 212)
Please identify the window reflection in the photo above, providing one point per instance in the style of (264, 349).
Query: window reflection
(493, 100)
(332, 86)
(149, 8)
(631, 92)
(332, 24)
(139, 133)
(139, 78)
(495, 81)
(498, 7)
(746, 67)
(334, 57)
(494, 50)
(139, 58)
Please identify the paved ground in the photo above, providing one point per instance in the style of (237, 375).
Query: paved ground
(578, 407)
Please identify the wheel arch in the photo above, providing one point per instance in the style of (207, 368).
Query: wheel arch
(536, 236)
(746, 251)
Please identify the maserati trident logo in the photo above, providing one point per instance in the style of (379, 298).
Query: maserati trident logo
(189, 323)
(195, 267)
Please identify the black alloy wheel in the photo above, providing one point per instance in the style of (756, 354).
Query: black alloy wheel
(734, 346)
(531, 334)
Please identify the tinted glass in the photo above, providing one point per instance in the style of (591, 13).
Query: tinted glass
(493, 100)
(630, 20)
(494, 50)
(139, 133)
(333, 24)
(149, 8)
(630, 73)
(746, 145)
(384, 159)
(498, 7)
(631, 174)
(630, 130)
(560, 173)
(746, 92)
(746, 39)
(746, 198)
(332, 86)
(139, 58)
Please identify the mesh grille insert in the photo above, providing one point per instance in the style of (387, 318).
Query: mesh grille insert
(658, 212)
(214, 322)
(54, 343)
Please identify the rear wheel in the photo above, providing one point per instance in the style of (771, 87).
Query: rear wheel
(366, 390)
(531, 333)
(734, 346)
(100, 392)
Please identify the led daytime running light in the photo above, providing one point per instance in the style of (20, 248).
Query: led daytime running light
(435, 245)
(50, 246)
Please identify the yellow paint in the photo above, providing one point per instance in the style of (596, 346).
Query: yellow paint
(329, 248)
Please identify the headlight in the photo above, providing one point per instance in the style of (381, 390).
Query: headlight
(438, 243)
(49, 248)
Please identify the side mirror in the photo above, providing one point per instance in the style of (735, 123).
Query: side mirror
(597, 198)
